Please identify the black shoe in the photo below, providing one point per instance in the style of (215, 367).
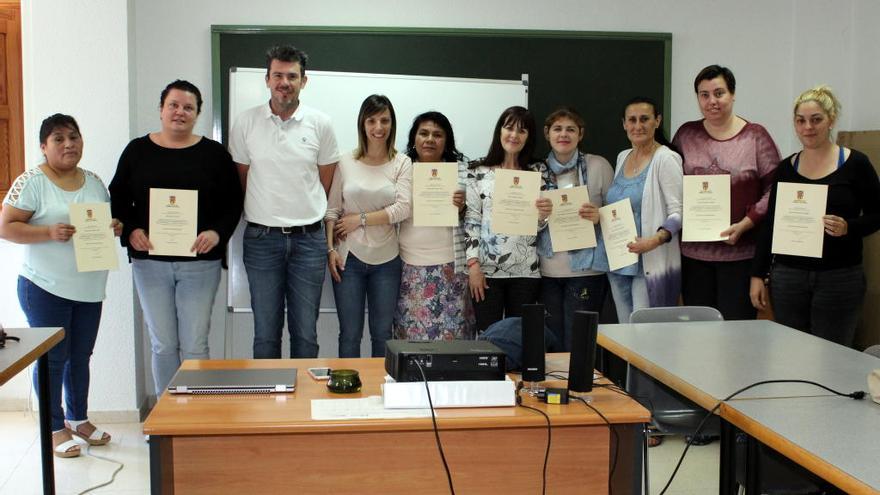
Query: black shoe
(700, 440)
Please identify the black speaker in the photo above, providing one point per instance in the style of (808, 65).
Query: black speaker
(533, 342)
(584, 327)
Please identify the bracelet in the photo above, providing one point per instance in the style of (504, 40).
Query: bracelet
(331, 250)
(363, 219)
(473, 261)
(665, 235)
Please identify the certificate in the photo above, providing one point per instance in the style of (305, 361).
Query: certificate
(798, 229)
(568, 231)
(173, 221)
(94, 244)
(513, 202)
(433, 187)
(706, 207)
(618, 230)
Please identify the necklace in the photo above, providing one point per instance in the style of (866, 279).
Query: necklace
(636, 164)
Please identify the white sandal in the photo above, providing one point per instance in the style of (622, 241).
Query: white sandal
(98, 436)
(66, 449)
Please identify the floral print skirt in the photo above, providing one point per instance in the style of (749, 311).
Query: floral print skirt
(434, 304)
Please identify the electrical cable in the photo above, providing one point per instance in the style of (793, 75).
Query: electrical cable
(549, 437)
(436, 431)
(857, 395)
(614, 434)
(112, 476)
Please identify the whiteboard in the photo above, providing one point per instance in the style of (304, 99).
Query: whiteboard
(472, 106)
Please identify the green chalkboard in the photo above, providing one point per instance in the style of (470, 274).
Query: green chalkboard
(593, 72)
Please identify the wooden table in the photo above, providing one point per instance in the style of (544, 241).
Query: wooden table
(16, 356)
(270, 444)
(708, 361)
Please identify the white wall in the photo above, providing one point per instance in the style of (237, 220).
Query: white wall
(75, 61)
(78, 53)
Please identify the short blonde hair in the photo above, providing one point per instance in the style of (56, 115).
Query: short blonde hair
(823, 97)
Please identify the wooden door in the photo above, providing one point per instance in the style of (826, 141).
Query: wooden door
(11, 120)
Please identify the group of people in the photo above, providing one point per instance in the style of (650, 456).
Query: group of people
(309, 207)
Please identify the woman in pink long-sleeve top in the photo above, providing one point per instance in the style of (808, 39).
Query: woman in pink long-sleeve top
(370, 194)
(716, 274)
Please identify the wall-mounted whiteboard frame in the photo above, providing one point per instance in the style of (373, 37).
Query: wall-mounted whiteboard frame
(472, 106)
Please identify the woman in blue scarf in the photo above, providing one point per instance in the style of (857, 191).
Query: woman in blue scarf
(568, 283)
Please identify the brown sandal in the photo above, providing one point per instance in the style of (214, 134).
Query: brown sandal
(96, 437)
(63, 445)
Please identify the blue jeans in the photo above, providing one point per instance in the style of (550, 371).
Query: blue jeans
(285, 267)
(177, 298)
(69, 359)
(380, 285)
(563, 296)
(825, 303)
(630, 293)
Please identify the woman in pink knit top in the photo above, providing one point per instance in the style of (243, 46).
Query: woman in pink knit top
(716, 274)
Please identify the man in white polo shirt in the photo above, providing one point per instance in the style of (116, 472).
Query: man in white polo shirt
(286, 154)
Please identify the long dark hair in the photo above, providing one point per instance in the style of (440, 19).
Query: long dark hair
(450, 152)
(659, 135)
(517, 116)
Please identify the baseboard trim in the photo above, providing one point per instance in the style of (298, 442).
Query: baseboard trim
(9, 405)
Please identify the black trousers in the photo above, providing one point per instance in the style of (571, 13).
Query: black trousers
(723, 285)
(504, 299)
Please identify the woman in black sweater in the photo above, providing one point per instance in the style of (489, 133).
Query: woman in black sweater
(176, 291)
(822, 296)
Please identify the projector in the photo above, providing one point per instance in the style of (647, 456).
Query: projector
(444, 360)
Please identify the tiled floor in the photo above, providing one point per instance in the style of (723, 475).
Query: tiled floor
(20, 470)
(20, 462)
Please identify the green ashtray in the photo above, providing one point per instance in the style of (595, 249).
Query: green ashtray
(344, 381)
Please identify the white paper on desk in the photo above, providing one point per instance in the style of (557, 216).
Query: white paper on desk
(366, 408)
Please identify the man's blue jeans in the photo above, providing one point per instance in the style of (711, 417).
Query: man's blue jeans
(285, 268)
(380, 286)
(69, 359)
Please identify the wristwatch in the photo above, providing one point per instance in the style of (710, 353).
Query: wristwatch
(363, 219)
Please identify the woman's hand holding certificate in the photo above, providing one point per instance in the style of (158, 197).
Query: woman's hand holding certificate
(618, 231)
(798, 222)
(568, 229)
(93, 243)
(434, 184)
(173, 221)
(706, 207)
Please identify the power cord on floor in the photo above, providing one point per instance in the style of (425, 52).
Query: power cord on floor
(119, 467)
(858, 395)
(33, 413)
(436, 430)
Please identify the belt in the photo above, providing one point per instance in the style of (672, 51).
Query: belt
(297, 229)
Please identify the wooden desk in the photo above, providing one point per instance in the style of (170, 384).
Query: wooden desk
(236, 444)
(16, 356)
(707, 361)
(835, 437)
